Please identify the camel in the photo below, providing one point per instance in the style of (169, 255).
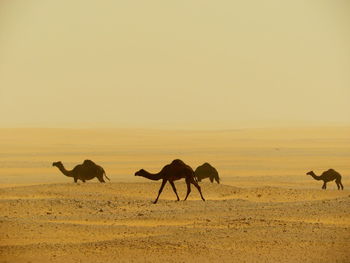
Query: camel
(85, 171)
(207, 171)
(176, 170)
(328, 176)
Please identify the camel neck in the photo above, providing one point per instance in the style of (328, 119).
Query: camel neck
(316, 177)
(64, 171)
(154, 177)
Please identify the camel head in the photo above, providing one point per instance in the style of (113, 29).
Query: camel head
(57, 164)
(140, 172)
(310, 173)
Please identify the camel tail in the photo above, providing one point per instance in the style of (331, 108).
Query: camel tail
(106, 176)
(217, 178)
(104, 173)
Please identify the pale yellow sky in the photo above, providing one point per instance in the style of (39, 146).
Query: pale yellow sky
(140, 63)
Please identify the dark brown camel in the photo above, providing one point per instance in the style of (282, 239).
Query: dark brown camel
(328, 176)
(85, 171)
(172, 172)
(207, 171)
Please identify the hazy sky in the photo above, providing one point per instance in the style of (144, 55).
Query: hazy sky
(117, 63)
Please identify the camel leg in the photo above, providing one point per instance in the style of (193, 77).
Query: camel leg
(211, 179)
(339, 184)
(199, 188)
(174, 188)
(188, 189)
(75, 180)
(160, 190)
(324, 186)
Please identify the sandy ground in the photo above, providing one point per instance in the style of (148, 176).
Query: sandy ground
(268, 155)
(117, 222)
(266, 209)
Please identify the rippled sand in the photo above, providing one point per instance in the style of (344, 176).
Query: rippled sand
(117, 222)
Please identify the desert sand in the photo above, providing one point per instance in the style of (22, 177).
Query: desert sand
(265, 210)
(116, 222)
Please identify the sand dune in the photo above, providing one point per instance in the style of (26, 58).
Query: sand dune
(116, 222)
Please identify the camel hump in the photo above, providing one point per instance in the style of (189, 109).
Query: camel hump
(207, 165)
(177, 162)
(333, 171)
(88, 163)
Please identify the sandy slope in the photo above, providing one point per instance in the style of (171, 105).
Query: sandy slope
(116, 222)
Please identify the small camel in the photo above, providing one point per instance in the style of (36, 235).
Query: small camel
(328, 176)
(85, 171)
(176, 170)
(207, 171)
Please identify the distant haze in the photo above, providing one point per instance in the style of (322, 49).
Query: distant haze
(140, 63)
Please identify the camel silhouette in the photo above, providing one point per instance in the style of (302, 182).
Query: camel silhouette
(85, 171)
(176, 170)
(328, 176)
(207, 171)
